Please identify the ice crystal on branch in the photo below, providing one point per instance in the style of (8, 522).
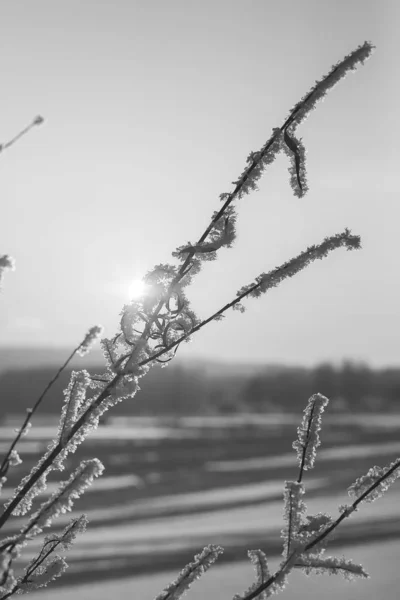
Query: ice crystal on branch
(322, 87)
(62, 500)
(347, 509)
(152, 327)
(91, 338)
(125, 388)
(26, 428)
(314, 523)
(265, 281)
(14, 459)
(308, 433)
(311, 528)
(68, 535)
(296, 152)
(39, 486)
(239, 307)
(331, 565)
(257, 163)
(375, 483)
(48, 571)
(220, 233)
(194, 570)
(259, 561)
(75, 396)
(40, 570)
(294, 510)
(151, 324)
(91, 417)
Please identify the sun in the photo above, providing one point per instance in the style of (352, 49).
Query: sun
(137, 288)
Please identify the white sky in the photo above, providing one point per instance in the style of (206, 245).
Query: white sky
(151, 109)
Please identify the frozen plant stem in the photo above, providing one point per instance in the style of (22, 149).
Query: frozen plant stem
(83, 347)
(353, 507)
(294, 555)
(49, 460)
(299, 112)
(36, 121)
(266, 281)
(271, 279)
(255, 169)
(31, 411)
(145, 329)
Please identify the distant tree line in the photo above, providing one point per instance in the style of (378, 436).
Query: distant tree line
(183, 390)
(349, 387)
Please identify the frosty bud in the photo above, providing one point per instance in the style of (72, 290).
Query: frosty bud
(308, 433)
(91, 338)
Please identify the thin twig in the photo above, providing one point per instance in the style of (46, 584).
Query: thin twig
(36, 121)
(325, 533)
(352, 508)
(31, 411)
(305, 445)
(105, 393)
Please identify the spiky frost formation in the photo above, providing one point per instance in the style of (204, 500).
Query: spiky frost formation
(91, 338)
(331, 565)
(293, 514)
(312, 526)
(148, 326)
(26, 428)
(43, 575)
(265, 281)
(317, 93)
(222, 234)
(192, 571)
(257, 162)
(62, 500)
(259, 561)
(293, 146)
(14, 459)
(377, 480)
(7, 578)
(39, 486)
(295, 150)
(35, 570)
(66, 538)
(308, 433)
(75, 396)
(41, 569)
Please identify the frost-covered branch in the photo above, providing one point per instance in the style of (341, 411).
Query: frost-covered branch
(7, 263)
(367, 488)
(308, 433)
(36, 121)
(192, 571)
(41, 570)
(266, 281)
(82, 349)
(214, 237)
(151, 329)
(305, 536)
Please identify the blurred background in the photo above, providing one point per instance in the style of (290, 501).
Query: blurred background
(150, 112)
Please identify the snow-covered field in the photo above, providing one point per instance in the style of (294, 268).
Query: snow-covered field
(381, 561)
(169, 490)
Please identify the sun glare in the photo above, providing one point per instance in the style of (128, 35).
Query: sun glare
(137, 288)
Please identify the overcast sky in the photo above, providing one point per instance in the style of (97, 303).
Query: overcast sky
(151, 109)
